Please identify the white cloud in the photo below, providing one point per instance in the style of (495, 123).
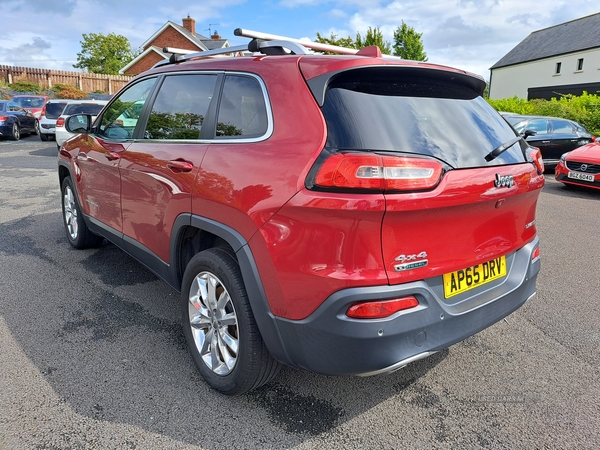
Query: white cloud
(478, 33)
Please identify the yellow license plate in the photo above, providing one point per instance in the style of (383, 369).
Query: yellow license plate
(463, 280)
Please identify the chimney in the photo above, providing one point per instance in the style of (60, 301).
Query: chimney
(215, 36)
(189, 24)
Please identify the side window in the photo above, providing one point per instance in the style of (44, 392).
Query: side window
(121, 117)
(561, 127)
(540, 126)
(180, 107)
(242, 110)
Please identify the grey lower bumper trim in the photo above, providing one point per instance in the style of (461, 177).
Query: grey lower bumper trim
(399, 365)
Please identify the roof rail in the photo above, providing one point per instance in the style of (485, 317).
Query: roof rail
(268, 44)
(307, 44)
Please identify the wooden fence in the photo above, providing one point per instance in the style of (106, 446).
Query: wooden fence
(87, 82)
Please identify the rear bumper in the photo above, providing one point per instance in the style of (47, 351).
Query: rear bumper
(330, 343)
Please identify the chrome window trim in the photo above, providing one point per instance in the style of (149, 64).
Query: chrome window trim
(215, 140)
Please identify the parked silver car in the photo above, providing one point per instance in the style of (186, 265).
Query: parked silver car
(91, 107)
(53, 110)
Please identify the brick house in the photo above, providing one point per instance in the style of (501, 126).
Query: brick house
(172, 35)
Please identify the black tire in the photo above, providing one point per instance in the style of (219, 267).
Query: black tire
(78, 234)
(234, 359)
(36, 127)
(16, 132)
(43, 137)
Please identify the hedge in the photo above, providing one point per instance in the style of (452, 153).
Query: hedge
(583, 109)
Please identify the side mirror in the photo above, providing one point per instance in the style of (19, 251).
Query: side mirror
(528, 133)
(79, 123)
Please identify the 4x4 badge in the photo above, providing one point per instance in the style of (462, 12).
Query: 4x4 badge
(504, 181)
(411, 261)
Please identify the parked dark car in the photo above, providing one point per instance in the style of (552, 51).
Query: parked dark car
(581, 167)
(552, 135)
(15, 121)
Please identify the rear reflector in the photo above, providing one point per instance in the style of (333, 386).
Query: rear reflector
(380, 309)
(535, 255)
(378, 172)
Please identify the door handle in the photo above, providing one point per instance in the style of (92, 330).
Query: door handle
(545, 142)
(178, 166)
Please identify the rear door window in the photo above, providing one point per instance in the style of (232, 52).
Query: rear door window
(391, 109)
(181, 107)
(561, 127)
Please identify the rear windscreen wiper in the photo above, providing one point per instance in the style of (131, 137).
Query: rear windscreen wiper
(498, 150)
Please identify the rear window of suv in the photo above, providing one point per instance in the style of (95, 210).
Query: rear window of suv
(54, 109)
(82, 108)
(407, 111)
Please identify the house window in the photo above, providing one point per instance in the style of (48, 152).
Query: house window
(580, 64)
(557, 70)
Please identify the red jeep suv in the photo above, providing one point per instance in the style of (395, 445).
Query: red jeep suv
(344, 214)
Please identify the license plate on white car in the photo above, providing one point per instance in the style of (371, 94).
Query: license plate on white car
(581, 176)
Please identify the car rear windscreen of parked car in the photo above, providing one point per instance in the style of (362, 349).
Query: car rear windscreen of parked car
(54, 109)
(364, 110)
(82, 108)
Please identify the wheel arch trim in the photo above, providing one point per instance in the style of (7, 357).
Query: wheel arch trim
(265, 319)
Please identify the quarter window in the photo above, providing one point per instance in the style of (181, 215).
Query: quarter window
(180, 107)
(242, 110)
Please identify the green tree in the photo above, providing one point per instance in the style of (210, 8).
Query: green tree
(333, 39)
(373, 37)
(408, 44)
(104, 54)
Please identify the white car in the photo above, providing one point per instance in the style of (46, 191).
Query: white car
(91, 107)
(52, 111)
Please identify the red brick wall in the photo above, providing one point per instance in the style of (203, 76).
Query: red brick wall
(144, 64)
(168, 38)
(172, 38)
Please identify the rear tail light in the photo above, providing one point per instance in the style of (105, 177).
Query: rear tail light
(536, 156)
(353, 170)
(3, 118)
(60, 122)
(594, 138)
(382, 308)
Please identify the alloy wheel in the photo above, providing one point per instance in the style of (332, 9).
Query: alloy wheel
(70, 211)
(213, 323)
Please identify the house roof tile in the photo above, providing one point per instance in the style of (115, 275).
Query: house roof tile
(569, 37)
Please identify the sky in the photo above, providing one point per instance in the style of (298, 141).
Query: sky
(468, 34)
